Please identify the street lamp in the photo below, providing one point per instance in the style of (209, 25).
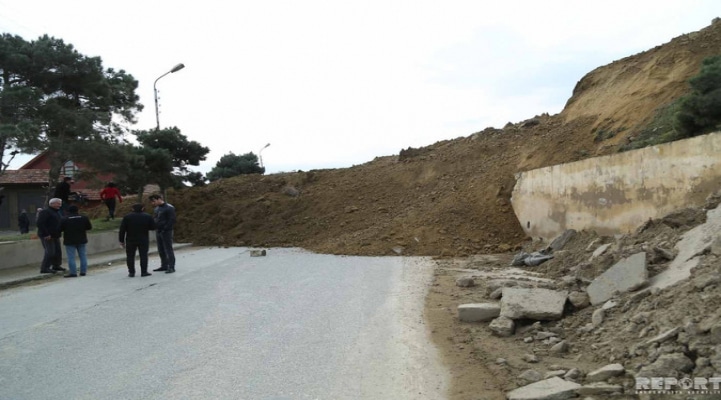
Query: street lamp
(260, 157)
(157, 115)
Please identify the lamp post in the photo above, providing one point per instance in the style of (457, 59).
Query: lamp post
(157, 114)
(261, 157)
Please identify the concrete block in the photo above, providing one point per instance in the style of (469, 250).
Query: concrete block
(502, 326)
(478, 312)
(538, 304)
(625, 276)
(605, 372)
(550, 389)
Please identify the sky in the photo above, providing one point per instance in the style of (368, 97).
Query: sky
(332, 84)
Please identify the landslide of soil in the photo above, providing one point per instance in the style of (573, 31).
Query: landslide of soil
(450, 198)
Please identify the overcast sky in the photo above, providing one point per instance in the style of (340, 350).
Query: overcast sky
(336, 83)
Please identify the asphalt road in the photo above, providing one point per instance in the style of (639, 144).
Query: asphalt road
(291, 325)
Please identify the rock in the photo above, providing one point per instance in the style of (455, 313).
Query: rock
(465, 282)
(530, 375)
(556, 372)
(527, 339)
(530, 358)
(478, 312)
(599, 388)
(664, 336)
(502, 326)
(641, 318)
(562, 240)
(600, 250)
(605, 372)
(597, 317)
(579, 300)
(573, 373)
(627, 275)
(559, 348)
(609, 305)
(703, 281)
(538, 304)
(544, 335)
(501, 361)
(257, 253)
(496, 294)
(667, 365)
(551, 389)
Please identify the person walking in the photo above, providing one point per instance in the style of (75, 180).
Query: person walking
(49, 233)
(62, 192)
(24, 222)
(133, 236)
(75, 229)
(164, 215)
(108, 195)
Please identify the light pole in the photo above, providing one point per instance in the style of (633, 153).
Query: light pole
(157, 114)
(261, 157)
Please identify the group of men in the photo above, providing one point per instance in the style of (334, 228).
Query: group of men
(133, 236)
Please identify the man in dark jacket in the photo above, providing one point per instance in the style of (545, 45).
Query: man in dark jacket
(62, 192)
(133, 235)
(49, 234)
(164, 214)
(75, 227)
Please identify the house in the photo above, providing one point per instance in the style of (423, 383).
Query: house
(27, 188)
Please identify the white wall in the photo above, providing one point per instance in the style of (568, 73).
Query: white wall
(617, 193)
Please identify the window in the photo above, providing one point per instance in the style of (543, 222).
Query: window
(69, 169)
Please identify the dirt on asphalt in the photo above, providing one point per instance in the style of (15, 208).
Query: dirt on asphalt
(451, 200)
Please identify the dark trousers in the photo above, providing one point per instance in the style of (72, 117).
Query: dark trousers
(142, 249)
(110, 203)
(165, 249)
(53, 256)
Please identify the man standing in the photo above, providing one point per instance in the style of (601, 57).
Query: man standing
(164, 214)
(49, 234)
(24, 222)
(75, 227)
(133, 235)
(62, 192)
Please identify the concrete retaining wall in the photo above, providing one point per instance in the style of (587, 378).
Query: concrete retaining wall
(617, 193)
(24, 252)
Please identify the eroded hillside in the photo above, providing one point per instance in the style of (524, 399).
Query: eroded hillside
(450, 198)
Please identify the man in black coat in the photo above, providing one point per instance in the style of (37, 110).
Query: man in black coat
(134, 236)
(49, 234)
(62, 192)
(75, 229)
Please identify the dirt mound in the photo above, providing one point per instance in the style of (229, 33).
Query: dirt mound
(450, 198)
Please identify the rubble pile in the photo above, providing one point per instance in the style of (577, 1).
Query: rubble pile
(601, 312)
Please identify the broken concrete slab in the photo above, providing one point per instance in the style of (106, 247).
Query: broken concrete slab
(478, 312)
(605, 372)
(625, 276)
(693, 243)
(534, 303)
(562, 240)
(549, 389)
(502, 326)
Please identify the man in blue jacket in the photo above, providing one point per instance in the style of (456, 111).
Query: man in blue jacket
(49, 234)
(133, 236)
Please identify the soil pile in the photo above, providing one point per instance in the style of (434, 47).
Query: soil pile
(450, 198)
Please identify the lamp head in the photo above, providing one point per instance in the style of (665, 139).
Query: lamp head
(177, 67)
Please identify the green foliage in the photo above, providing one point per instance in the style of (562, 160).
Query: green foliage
(183, 153)
(661, 129)
(52, 98)
(233, 165)
(700, 111)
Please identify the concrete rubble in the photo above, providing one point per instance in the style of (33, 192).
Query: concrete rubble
(605, 310)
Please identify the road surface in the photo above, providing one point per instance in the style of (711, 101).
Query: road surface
(290, 325)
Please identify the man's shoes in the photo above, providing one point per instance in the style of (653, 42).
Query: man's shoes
(131, 275)
(58, 268)
(161, 269)
(70, 276)
(47, 271)
(82, 274)
(170, 270)
(145, 274)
